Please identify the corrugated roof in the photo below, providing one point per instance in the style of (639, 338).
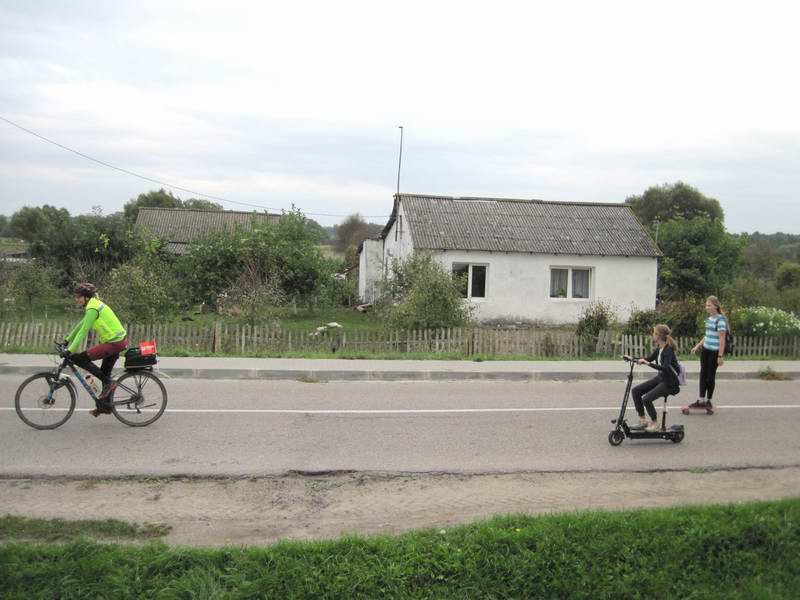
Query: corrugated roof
(180, 226)
(508, 225)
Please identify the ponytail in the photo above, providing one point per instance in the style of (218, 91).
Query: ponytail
(663, 333)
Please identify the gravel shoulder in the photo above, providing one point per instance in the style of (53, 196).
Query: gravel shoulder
(261, 511)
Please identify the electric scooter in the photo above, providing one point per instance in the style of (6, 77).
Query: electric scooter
(622, 430)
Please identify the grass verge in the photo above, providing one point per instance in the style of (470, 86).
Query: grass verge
(57, 530)
(769, 374)
(731, 552)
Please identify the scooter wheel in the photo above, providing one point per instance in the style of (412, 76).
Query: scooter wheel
(615, 437)
(677, 438)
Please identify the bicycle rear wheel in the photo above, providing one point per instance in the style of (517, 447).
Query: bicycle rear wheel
(43, 402)
(139, 398)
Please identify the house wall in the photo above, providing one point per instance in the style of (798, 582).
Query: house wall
(398, 244)
(518, 285)
(370, 269)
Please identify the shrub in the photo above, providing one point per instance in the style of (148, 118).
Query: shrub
(788, 276)
(641, 322)
(762, 320)
(255, 295)
(420, 293)
(597, 316)
(685, 318)
(139, 294)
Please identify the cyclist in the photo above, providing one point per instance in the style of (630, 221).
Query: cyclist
(109, 332)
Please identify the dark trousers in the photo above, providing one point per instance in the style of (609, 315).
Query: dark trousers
(645, 393)
(108, 352)
(709, 360)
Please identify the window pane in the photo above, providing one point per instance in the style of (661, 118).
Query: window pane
(460, 274)
(558, 283)
(478, 281)
(580, 283)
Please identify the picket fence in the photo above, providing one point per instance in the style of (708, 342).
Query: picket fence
(243, 339)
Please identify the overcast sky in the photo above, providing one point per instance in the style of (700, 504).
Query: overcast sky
(299, 102)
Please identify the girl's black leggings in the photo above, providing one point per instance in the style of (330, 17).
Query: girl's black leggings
(708, 372)
(645, 393)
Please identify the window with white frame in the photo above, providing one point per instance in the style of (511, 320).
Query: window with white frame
(472, 279)
(571, 282)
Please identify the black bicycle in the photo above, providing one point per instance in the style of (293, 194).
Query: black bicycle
(47, 400)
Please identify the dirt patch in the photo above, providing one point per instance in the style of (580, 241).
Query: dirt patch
(264, 510)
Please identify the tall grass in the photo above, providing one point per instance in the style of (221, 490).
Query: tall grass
(727, 552)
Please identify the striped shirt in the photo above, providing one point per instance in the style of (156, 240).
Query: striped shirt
(713, 326)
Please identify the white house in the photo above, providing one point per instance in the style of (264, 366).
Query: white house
(526, 259)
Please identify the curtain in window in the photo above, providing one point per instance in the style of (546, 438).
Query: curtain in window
(580, 283)
(558, 283)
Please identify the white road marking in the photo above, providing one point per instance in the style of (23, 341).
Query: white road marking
(418, 411)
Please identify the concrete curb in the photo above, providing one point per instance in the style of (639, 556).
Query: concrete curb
(314, 375)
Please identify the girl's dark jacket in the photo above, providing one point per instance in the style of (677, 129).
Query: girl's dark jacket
(668, 369)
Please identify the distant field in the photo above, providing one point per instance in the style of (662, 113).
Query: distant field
(11, 245)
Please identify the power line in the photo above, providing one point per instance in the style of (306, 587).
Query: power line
(164, 183)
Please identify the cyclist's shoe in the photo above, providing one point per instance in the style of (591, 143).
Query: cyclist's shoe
(103, 408)
(107, 391)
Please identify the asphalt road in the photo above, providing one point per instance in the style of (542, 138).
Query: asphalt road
(241, 428)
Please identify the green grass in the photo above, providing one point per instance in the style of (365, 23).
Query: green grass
(57, 530)
(735, 552)
(12, 245)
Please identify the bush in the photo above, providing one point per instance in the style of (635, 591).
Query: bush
(641, 322)
(254, 295)
(788, 276)
(286, 251)
(762, 320)
(596, 317)
(138, 294)
(685, 318)
(420, 294)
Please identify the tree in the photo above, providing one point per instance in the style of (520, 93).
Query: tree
(788, 276)
(34, 284)
(201, 204)
(760, 259)
(699, 257)
(352, 231)
(5, 230)
(286, 251)
(255, 295)
(154, 199)
(667, 202)
(420, 293)
(35, 223)
(317, 232)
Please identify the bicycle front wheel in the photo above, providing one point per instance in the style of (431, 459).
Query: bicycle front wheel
(139, 398)
(44, 402)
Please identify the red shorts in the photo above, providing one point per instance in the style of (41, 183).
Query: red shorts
(106, 350)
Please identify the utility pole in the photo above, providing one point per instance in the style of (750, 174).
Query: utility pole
(400, 160)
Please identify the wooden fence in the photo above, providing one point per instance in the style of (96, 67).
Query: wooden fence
(244, 339)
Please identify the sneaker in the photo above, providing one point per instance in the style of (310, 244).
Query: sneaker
(698, 404)
(102, 409)
(652, 427)
(107, 391)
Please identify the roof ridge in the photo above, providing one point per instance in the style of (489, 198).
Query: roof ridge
(208, 210)
(520, 200)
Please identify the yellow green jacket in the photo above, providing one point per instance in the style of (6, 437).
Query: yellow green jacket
(102, 319)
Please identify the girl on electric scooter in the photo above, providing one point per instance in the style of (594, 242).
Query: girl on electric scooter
(663, 360)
